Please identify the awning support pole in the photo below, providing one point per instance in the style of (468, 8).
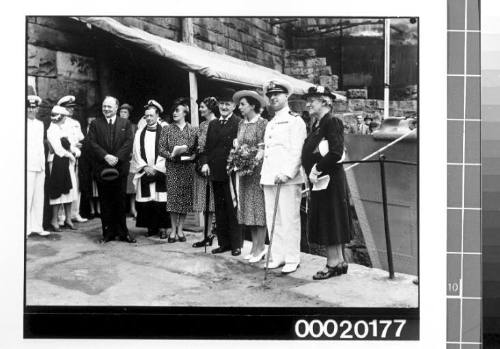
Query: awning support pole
(387, 65)
(188, 37)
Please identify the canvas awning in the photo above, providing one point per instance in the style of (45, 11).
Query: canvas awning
(194, 59)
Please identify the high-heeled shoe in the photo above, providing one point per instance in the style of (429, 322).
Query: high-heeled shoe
(331, 272)
(205, 242)
(344, 267)
(69, 226)
(172, 239)
(55, 228)
(181, 238)
(258, 257)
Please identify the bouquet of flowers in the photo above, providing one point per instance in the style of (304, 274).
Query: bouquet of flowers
(242, 160)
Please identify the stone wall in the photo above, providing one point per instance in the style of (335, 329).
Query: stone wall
(60, 61)
(250, 39)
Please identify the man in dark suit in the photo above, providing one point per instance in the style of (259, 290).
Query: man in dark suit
(110, 139)
(220, 136)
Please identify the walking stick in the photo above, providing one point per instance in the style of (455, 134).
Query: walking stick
(272, 229)
(207, 208)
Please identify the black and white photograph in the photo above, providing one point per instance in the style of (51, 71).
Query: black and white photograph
(256, 175)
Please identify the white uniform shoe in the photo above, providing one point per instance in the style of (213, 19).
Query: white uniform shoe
(79, 219)
(290, 268)
(41, 233)
(275, 264)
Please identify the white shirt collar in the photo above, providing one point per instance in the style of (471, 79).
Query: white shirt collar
(113, 118)
(227, 118)
(254, 120)
(282, 113)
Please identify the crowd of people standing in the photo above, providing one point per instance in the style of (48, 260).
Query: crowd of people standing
(243, 170)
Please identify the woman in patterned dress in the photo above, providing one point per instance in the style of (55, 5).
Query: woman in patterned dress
(250, 194)
(209, 109)
(177, 146)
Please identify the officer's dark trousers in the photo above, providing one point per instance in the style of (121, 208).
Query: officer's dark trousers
(113, 198)
(229, 232)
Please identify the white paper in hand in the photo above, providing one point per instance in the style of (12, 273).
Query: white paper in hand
(323, 147)
(322, 183)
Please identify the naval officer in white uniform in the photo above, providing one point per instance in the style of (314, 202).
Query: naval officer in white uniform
(35, 167)
(283, 140)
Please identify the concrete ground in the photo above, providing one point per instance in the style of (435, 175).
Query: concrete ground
(72, 268)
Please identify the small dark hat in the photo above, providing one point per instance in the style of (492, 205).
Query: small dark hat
(368, 117)
(126, 106)
(182, 101)
(319, 91)
(109, 174)
(226, 94)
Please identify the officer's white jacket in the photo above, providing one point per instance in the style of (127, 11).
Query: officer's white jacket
(283, 141)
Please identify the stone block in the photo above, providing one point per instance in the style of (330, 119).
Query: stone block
(76, 67)
(315, 62)
(57, 40)
(294, 63)
(323, 70)
(219, 49)
(340, 106)
(41, 61)
(235, 45)
(302, 53)
(356, 104)
(50, 89)
(325, 80)
(357, 93)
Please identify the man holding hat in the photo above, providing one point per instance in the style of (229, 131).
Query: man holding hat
(35, 166)
(283, 140)
(220, 136)
(69, 102)
(111, 139)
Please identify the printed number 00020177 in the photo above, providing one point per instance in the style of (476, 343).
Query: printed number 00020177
(347, 329)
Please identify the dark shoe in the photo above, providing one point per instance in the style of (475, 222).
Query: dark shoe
(151, 232)
(128, 238)
(163, 234)
(54, 228)
(205, 242)
(104, 240)
(332, 271)
(236, 252)
(181, 238)
(220, 250)
(172, 239)
(344, 267)
(68, 226)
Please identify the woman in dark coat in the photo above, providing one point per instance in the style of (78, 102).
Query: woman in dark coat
(329, 221)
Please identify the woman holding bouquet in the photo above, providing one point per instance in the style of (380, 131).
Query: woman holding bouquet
(247, 162)
(329, 223)
(209, 109)
(177, 146)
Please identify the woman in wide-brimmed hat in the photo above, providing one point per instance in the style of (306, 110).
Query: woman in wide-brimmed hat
(249, 192)
(329, 221)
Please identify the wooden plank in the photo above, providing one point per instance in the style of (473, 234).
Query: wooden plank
(76, 67)
(41, 61)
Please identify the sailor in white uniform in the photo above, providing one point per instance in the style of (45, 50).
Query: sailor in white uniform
(35, 167)
(283, 140)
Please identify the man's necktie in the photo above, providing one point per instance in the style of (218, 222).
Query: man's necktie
(110, 131)
(223, 122)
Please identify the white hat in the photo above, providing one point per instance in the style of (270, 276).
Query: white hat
(278, 85)
(33, 101)
(153, 103)
(57, 109)
(248, 93)
(67, 101)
